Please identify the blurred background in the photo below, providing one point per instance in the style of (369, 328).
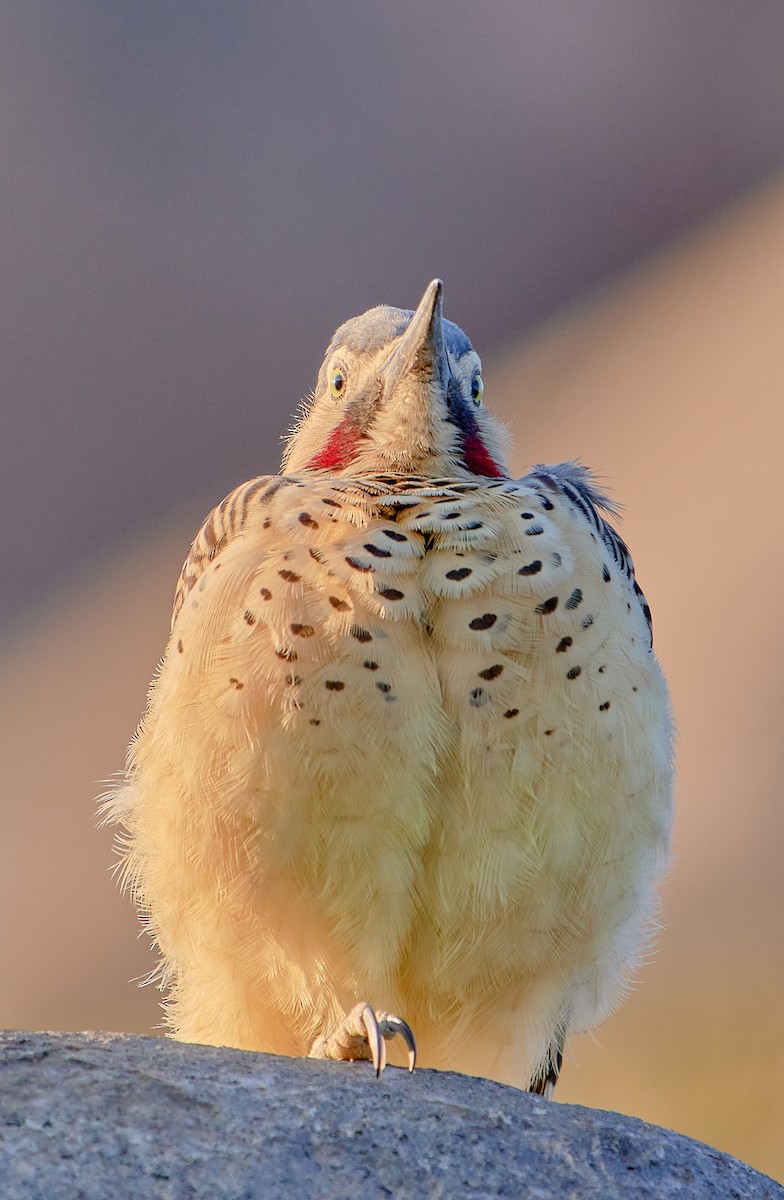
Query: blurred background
(192, 197)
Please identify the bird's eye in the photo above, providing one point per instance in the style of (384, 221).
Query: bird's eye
(337, 383)
(477, 388)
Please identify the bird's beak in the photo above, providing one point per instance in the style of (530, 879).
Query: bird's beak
(420, 353)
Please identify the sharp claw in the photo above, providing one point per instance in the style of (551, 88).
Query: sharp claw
(396, 1025)
(378, 1051)
(407, 1034)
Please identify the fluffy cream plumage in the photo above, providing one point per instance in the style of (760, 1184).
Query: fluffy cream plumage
(408, 744)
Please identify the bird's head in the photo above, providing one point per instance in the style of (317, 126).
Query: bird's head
(399, 392)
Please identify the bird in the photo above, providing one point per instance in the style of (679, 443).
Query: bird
(405, 773)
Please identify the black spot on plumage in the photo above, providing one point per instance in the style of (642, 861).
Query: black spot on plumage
(248, 617)
(575, 599)
(390, 593)
(334, 685)
(180, 646)
(646, 608)
(293, 680)
(235, 683)
(384, 687)
(357, 565)
(637, 588)
(531, 568)
(549, 732)
(478, 697)
(483, 622)
(316, 554)
(534, 530)
(605, 706)
(459, 573)
(360, 634)
(573, 672)
(266, 522)
(286, 654)
(265, 593)
(511, 712)
(527, 516)
(491, 672)
(547, 606)
(306, 519)
(315, 720)
(340, 605)
(471, 526)
(377, 551)
(450, 516)
(290, 576)
(370, 665)
(547, 505)
(394, 535)
(305, 631)
(602, 670)
(563, 645)
(586, 622)
(332, 503)
(605, 573)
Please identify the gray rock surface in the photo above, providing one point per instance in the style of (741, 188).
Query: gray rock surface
(102, 1116)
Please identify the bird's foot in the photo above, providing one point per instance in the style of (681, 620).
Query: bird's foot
(363, 1034)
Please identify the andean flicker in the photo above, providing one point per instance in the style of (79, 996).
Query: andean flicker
(408, 759)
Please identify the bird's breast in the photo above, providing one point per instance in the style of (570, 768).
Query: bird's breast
(439, 715)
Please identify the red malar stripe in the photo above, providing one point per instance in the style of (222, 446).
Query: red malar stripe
(340, 448)
(477, 457)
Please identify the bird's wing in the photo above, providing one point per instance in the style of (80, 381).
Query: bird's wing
(577, 484)
(220, 527)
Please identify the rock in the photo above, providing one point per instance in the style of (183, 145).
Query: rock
(104, 1116)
